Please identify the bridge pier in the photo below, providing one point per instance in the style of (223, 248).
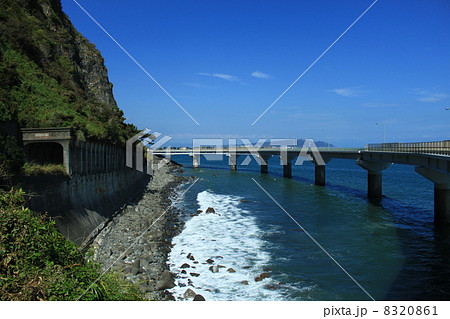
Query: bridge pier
(441, 193)
(232, 161)
(319, 175)
(264, 163)
(287, 169)
(374, 177)
(319, 171)
(195, 160)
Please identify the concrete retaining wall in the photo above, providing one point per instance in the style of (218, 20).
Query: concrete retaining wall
(82, 202)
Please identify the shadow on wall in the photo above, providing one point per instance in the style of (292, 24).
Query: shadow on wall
(79, 204)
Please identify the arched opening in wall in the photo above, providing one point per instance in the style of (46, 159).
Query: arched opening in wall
(44, 153)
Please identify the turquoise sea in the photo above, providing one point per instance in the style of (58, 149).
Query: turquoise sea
(390, 247)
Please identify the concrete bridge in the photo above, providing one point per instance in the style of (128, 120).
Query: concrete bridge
(431, 160)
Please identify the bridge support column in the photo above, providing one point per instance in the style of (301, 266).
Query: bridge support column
(374, 177)
(232, 161)
(263, 159)
(195, 160)
(319, 175)
(287, 169)
(264, 168)
(441, 182)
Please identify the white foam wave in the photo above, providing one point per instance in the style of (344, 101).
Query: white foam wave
(230, 237)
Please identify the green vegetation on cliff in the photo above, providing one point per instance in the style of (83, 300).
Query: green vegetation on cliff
(38, 263)
(51, 76)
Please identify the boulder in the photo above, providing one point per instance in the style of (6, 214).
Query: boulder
(199, 298)
(189, 293)
(210, 210)
(135, 267)
(245, 282)
(214, 269)
(166, 281)
(143, 263)
(231, 270)
(190, 256)
(194, 274)
(185, 265)
(210, 261)
(264, 275)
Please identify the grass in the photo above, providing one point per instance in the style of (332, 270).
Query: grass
(38, 263)
(34, 169)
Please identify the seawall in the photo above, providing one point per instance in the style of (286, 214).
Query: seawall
(80, 203)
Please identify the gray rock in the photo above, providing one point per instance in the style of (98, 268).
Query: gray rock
(166, 281)
(135, 268)
(199, 298)
(214, 269)
(143, 263)
(189, 293)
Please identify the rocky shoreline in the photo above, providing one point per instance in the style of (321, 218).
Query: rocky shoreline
(137, 241)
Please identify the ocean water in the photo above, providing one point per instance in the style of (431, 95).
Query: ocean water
(390, 247)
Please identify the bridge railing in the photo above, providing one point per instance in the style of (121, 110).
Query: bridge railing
(438, 148)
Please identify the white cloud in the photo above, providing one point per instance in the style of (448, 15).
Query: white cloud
(261, 75)
(196, 85)
(433, 97)
(429, 95)
(372, 104)
(351, 91)
(227, 77)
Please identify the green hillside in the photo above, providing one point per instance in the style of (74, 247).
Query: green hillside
(51, 76)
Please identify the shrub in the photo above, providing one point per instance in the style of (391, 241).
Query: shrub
(38, 263)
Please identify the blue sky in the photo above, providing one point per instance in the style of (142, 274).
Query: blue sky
(225, 62)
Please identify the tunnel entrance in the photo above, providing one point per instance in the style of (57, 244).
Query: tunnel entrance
(44, 153)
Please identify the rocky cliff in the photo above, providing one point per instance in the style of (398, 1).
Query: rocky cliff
(50, 75)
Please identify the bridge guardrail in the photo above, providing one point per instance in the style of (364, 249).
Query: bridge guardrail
(437, 148)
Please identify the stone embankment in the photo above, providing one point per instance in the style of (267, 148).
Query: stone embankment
(136, 242)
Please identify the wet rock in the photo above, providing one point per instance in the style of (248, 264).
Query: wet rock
(189, 293)
(270, 287)
(210, 261)
(185, 265)
(210, 210)
(220, 266)
(267, 269)
(264, 275)
(183, 271)
(214, 269)
(190, 256)
(244, 201)
(194, 274)
(245, 282)
(246, 267)
(231, 270)
(199, 298)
